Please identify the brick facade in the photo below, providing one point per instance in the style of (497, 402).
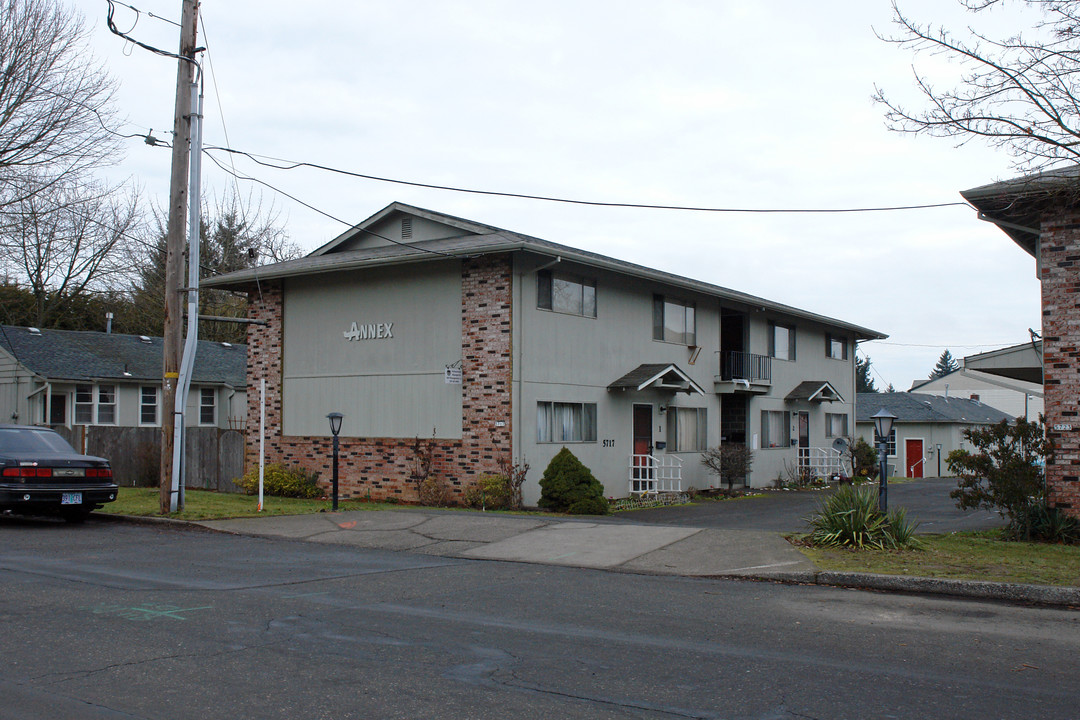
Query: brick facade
(1058, 271)
(380, 468)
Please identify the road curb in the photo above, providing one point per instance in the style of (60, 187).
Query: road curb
(977, 589)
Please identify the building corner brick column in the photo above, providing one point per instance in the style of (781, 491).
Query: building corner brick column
(264, 348)
(1058, 271)
(486, 363)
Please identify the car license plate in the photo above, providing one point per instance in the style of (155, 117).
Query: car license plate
(71, 498)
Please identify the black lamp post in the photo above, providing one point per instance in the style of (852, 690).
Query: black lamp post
(883, 422)
(335, 428)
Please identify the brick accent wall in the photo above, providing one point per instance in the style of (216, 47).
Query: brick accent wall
(1059, 266)
(380, 468)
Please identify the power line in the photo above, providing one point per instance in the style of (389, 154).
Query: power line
(293, 164)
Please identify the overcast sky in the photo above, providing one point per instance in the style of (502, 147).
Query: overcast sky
(709, 103)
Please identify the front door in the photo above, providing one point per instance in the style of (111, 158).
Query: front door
(642, 475)
(913, 455)
(804, 445)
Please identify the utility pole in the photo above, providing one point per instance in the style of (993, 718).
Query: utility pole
(174, 247)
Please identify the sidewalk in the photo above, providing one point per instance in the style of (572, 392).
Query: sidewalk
(606, 545)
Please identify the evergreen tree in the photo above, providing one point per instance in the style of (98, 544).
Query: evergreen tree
(863, 382)
(946, 364)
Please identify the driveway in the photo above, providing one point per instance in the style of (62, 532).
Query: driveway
(927, 501)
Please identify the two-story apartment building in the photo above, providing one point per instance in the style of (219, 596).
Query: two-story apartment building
(491, 347)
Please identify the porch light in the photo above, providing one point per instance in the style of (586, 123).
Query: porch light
(335, 428)
(883, 422)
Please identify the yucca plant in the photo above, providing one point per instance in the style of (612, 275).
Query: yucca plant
(850, 518)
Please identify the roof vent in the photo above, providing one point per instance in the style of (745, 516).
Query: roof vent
(406, 228)
(145, 340)
(34, 331)
(225, 344)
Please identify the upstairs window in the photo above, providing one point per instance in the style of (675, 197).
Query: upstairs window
(674, 321)
(565, 293)
(835, 347)
(782, 341)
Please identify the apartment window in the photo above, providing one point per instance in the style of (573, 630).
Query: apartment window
(686, 430)
(835, 425)
(775, 429)
(208, 406)
(148, 405)
(781, 341)
(95, 405)
(565, 293)
(835, 347)
(891, 444)
(558, 422)
(673, 321)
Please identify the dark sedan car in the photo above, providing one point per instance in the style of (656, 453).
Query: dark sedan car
(40, 473)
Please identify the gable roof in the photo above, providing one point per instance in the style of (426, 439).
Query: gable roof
(1017, 206)
(914, 407)
(659, 376)
(483, 239)
(815, 391)
(92, 356)
(982, 378)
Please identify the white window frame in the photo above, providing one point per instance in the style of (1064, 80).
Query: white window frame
(890, 449)
(565, 422)
(668, 310)
(143, 405)
(580, 290)
(784, 429)
(94, 402)
(212, 406)
(679, 415)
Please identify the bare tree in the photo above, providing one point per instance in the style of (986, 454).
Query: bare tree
(55, 100)
(65, 239)
(1018, 92)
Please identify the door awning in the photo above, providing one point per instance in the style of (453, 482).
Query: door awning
(814, 391)
(657, 377)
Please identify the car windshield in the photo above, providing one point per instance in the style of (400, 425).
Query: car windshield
(32, 440)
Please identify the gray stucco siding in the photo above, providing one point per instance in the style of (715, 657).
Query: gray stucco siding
(386, 375)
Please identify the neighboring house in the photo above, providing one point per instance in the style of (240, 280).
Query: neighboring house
(66, 378)
(493, 347)
(1023, 362)
(927, 428)
(1041, 213)
(1018, 398)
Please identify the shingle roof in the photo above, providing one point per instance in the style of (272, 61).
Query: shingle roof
(84, 355)
(914, 407)
(493, 240)
(652, 373)
(814, 390)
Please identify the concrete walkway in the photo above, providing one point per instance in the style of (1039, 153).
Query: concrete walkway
(608, 544)
(599, 544)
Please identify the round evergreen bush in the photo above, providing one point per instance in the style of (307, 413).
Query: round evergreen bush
(568, 486)
(281, 481)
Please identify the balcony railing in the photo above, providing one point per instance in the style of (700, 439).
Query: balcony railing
(745, 366)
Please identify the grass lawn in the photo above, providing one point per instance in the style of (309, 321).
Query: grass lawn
(205, 505)
(966, 556)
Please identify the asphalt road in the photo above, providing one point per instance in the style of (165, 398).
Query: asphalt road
(121, 621)
(927, 501)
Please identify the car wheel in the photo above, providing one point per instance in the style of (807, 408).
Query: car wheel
(75, 515)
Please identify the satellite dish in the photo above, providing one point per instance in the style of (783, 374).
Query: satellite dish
(840, 444)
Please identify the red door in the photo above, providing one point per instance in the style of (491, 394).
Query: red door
(913, 456)
(643, 448)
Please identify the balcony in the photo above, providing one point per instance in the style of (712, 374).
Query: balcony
(743, 372)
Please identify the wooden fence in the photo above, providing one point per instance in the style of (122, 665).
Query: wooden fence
(213, 457)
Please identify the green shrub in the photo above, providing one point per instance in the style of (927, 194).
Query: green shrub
(1040, 523)
(850, 518)
(864, 460)
(281, 481)
(569, 486)
(490, 492)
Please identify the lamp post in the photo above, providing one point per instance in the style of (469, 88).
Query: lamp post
(335, 428)
(883, 422)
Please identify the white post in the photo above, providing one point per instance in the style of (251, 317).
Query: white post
(262, 437)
